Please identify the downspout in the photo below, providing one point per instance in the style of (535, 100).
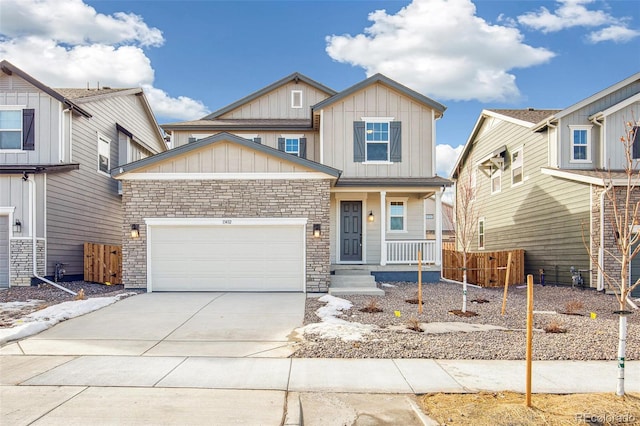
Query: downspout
(32, 225)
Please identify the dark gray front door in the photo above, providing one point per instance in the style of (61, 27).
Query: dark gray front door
(635, 274)
(351, 231)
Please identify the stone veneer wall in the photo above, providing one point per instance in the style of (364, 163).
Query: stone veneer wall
(610, 264)
(21, 264)
(229, 199)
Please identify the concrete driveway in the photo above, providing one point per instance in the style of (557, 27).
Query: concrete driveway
(179, 324)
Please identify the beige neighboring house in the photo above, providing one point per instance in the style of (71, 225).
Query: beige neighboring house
(540, 177)
(448, 218)
(57, 147)
(287, 188)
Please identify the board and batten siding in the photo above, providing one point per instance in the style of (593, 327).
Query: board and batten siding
(543, 215)
(84, 205)
(378, 100)
(615, 128)
(14, 192)
(267, 138)
(276, 104)
(14, 91)
(581, 117)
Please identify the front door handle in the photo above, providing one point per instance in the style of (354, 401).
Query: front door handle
(360, 240)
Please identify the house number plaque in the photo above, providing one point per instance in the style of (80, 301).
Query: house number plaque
(226, 221)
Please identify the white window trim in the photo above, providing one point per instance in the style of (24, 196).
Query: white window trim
(495, 174)
(405, 202)
(482, 236)
(101, 138)
(588, 146)
(513, 166)
(14, 108)
(387, 120)
(293, 98)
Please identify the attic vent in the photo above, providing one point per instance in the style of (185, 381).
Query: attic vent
(531, 109)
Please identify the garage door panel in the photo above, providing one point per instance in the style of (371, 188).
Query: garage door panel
(227, 258)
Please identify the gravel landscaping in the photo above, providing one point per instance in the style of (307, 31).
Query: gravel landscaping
(586, 338)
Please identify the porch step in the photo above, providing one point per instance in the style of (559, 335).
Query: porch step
(363, 272)
(353, 280)
(350, 291)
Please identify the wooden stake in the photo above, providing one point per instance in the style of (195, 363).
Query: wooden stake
(506, 284)
(529, 336)
(419, 281)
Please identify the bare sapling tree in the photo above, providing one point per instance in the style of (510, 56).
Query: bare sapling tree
(466, 221)
(622, 214)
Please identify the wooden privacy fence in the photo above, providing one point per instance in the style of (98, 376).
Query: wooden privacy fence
(102, 263)
(486, 269)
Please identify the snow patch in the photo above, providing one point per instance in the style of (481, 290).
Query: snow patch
(389, 285)
(41, 320)
(332, 327)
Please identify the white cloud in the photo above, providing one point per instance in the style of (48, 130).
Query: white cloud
(446, 157)
(441, 48)
(574, 13)
(617, 34)
(69, 44)
(73, 22)
(570, 13)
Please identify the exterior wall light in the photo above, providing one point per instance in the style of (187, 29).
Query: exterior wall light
(371, 217)
(17, 227)
(135, 230)
(317, 230)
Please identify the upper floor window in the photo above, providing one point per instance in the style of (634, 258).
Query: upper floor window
(496, 179)
(397, 215)
(296, 99)
(635, 140)
(580, 144)
(517, 173)
(17, 129)
(377, 140)
(292, 146)
(104, 154)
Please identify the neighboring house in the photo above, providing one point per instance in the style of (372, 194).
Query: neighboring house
(448, 219)
(288, 185)
(57, 147)
(539, 178)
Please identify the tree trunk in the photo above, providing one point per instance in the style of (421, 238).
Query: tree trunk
(622, 346)
(464, 282)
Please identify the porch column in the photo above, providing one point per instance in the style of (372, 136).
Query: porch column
(438, 228)
(383, 228)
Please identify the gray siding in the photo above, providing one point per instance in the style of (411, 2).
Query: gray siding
(543, 215)
(614, 128)
(14, 192)
(581, 117)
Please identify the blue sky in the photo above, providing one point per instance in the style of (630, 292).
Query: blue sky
(192, 57)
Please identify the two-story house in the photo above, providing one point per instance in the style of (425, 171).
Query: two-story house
(285, 187)
(57, 147)
(540, 177)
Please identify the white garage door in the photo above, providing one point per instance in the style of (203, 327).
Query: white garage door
(230, 257)
(4, 251)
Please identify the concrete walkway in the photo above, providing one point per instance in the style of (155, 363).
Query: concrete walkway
(223, 358)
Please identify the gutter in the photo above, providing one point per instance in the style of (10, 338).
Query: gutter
(34, 240)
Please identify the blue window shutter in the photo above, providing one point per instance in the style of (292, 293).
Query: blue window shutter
(280, 144)
(358, 142)
(257, 140)
(28, 130)
(303, 148)
(395, 154)
(191, 140)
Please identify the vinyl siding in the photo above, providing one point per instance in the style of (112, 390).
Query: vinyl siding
(14, 192)
(543, 215)
(269, 139)
(84, 205)
(614, 128)
(581, 117)
(378, 100)
(277, 103)
(15, 91)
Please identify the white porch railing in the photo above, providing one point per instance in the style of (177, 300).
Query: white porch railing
(406, 251)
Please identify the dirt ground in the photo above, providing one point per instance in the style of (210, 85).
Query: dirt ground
(508, 409)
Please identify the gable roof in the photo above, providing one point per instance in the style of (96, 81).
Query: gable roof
(242, 124)
(9, 69)
(296, 76)
(379, 78)
(522, 117)
(573, 108)
(183, 149)
(79, 95)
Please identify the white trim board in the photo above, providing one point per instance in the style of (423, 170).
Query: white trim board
(224, 176)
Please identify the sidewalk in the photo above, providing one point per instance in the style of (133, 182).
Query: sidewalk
(76, 390)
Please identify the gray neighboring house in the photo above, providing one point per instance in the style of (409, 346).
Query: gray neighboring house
(57, 147)
(540, 177)
(286, 189)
